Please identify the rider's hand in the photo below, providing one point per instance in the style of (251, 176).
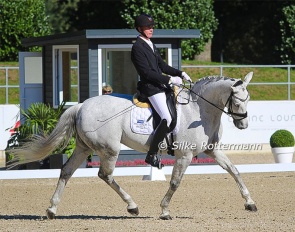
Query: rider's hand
(186, 77)
(175, 81)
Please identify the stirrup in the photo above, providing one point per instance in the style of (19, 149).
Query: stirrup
(154, 161)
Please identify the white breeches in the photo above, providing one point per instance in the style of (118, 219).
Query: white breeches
(159, 103)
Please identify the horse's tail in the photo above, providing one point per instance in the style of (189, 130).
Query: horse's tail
(39, 147)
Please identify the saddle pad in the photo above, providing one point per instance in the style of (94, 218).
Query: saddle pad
(139, 123)
(142, 121)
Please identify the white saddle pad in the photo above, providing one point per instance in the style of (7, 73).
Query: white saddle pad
(142, 120)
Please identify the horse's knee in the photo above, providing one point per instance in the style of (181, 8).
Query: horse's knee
(174, 184)
(101, 175)
(107, 178)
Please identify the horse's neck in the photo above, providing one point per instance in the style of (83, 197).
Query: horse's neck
(215, 92)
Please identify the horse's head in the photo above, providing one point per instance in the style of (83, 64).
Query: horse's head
(237, 102)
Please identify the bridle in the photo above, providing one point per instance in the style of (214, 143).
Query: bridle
(229, 102)
(230, 105)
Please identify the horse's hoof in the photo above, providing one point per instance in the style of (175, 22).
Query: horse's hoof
(251, 207)
(50, 214)
(134, 211)
(165, 217)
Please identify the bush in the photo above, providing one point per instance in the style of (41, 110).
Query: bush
(282, 138)
(38, 119)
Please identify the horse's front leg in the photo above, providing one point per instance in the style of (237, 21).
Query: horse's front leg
(107, 166)
(181, 164)
(226, 164)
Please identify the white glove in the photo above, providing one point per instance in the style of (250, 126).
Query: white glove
(186, 77)
(175, 81)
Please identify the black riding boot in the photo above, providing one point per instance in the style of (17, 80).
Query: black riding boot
(158, 137)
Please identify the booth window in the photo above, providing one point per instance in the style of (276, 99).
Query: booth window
(117, 70)
(65, 75)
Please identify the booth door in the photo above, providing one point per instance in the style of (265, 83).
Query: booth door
(30, 78)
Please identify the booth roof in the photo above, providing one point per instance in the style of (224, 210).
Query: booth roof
(108, 34)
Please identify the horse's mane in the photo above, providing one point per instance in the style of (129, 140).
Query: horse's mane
(205, 80)
(203, 83)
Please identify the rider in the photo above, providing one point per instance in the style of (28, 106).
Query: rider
(151, 67)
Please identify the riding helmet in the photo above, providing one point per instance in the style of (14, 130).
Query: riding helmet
(144, 20)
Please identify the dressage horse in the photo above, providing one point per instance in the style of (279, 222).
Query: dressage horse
(102, 123)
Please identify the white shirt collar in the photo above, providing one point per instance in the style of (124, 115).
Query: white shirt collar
(148, 41)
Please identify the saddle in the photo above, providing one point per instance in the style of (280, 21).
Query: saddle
(141, 102)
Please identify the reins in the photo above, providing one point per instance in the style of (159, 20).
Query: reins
(230, 113)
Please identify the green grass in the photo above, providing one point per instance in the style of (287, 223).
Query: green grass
(257, 92)
(4, 64)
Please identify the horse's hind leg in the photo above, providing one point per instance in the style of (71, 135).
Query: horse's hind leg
(107, 166)
(226, 164)
(67, 171)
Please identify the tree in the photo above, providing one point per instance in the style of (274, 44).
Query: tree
(249, 31)
(18, 20)
(59, 12)
(75, 15)
(287, 28)
(175, 14)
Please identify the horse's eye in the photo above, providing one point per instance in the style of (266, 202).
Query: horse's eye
(237, 104)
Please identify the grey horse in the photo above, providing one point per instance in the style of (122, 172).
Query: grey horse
(102, 123)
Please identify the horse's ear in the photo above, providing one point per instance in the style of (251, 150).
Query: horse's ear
(248, 78)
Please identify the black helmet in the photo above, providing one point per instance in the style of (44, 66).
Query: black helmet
(144, 20)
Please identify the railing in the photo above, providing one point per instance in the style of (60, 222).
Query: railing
(7, 85)
(221, 68)
(221, 72)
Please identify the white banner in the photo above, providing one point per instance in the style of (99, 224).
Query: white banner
(265, 117)
(9, 115)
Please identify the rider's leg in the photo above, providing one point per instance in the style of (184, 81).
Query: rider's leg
(159, 103)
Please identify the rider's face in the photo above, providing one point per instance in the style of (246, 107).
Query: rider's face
(148, 31)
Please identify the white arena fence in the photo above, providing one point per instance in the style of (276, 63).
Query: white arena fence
(146, 171)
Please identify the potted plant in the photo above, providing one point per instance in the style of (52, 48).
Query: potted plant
(282, 146)
(40, 119)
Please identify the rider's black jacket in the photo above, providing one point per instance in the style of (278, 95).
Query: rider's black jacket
(150, 67)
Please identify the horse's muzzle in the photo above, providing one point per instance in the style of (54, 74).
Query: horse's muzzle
(241, 124)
